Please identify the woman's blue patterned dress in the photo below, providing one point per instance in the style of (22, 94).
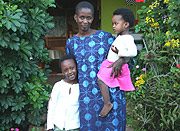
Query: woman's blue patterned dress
(90, 52)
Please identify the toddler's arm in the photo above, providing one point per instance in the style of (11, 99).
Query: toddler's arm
(125, 46)
(128, 51)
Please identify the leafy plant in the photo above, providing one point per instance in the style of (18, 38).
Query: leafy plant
(23, 25)
(156, 102)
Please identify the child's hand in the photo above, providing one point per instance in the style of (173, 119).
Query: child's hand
(114, 49)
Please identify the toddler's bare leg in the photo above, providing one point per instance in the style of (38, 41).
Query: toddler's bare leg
(107, 103)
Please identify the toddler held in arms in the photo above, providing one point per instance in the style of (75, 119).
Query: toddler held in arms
(123, 46)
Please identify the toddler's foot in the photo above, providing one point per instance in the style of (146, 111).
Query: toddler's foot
(106, 109)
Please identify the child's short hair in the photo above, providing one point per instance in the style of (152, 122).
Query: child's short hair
(127, 15)
(66, 57)
(84, 4)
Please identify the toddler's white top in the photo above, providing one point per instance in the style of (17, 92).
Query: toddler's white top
(126, 46)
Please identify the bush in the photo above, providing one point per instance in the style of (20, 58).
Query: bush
(156, 101)
(23, 25)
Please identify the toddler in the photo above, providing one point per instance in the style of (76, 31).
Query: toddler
(123, 46)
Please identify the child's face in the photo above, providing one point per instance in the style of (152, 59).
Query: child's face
(84, 19)
(68, 68)
(119, 24)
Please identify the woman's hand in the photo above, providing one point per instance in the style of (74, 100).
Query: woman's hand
(117, 66)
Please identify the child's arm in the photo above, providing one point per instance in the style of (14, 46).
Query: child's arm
(126, 46)
(128, 51)
(125, 52)
(51, 107)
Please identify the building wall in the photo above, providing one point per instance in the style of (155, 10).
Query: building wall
(108, 6)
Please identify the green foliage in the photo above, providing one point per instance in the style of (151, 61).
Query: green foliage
(156, 102)
(23, 88)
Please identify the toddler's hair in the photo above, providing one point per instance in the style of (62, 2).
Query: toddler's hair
(84, 4)
(66, 57)
(127, 15)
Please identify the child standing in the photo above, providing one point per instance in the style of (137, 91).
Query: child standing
(63, 112)
(123, 46)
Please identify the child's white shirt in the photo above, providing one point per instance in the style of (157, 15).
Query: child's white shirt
(126, 46)
(63, 110)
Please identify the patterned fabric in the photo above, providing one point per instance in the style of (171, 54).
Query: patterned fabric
(131, 2)
(90, 52)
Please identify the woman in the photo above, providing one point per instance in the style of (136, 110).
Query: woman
(90, 48)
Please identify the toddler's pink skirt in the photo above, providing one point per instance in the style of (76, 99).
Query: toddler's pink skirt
(123, 82)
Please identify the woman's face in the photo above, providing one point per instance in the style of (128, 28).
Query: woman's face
(84, 19)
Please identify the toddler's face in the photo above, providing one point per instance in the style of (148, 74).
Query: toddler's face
(119, 24)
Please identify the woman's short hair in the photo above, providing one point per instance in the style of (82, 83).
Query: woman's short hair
(84, 4)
